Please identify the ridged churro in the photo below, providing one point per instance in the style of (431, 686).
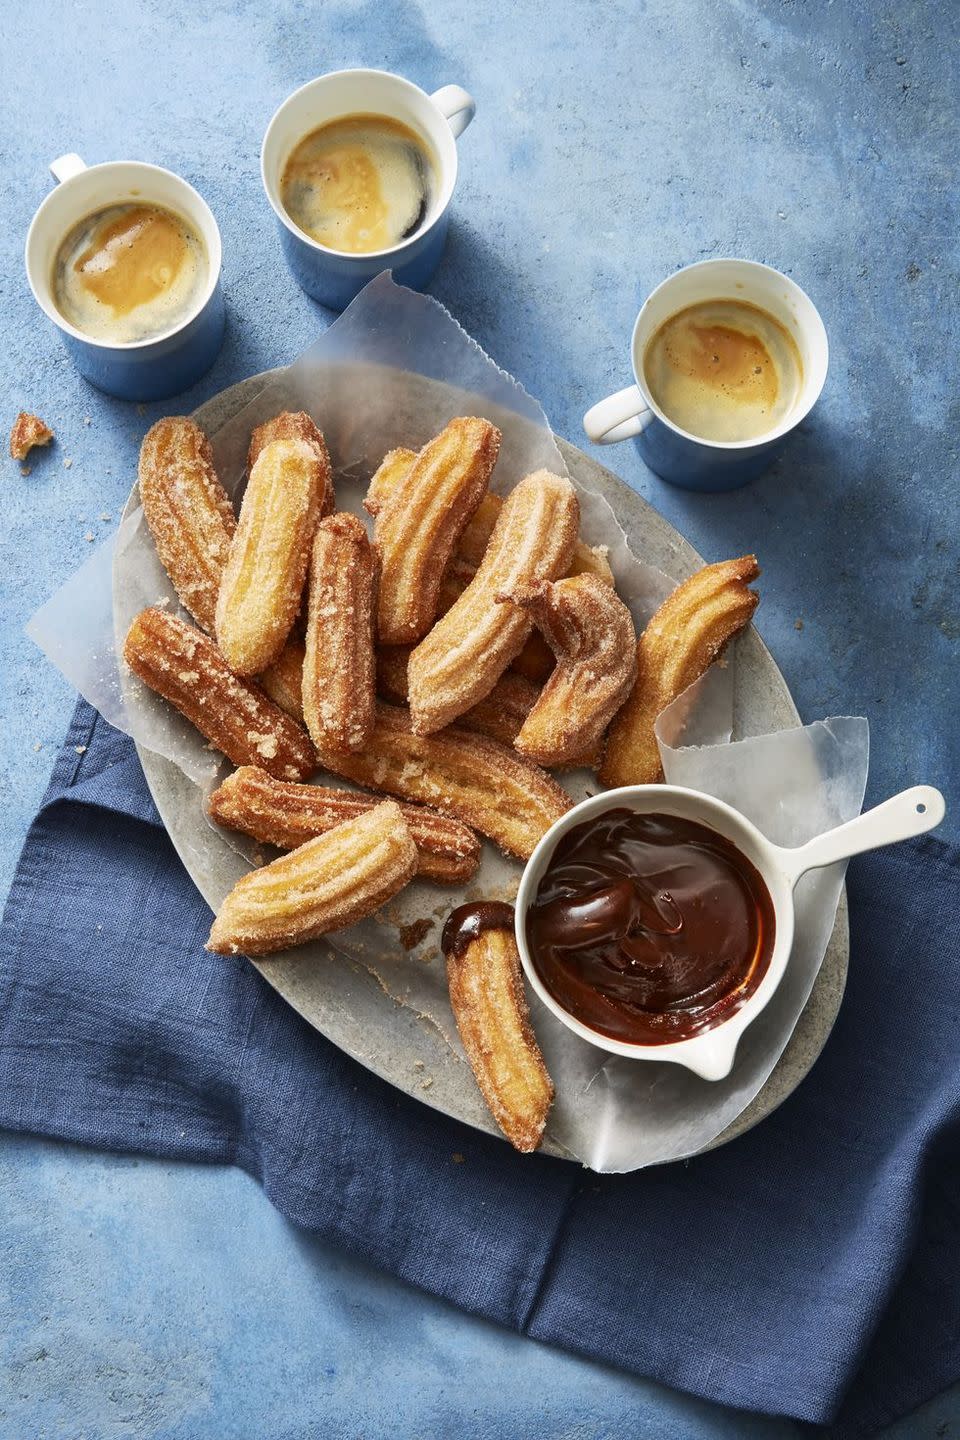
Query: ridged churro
(284, 814)
(472, 778)
(294, 425)
(324, 885)
(418, 523)
(184, 666)
(490, 1007)
(339, 671)
(683, 638)
(283, 680)
(188, 512)
(587, 559)
(388, 474)
(501, 714)
(591, 633)
(262, 584)
(468, 650)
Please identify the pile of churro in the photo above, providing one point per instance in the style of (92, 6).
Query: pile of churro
(444, 664)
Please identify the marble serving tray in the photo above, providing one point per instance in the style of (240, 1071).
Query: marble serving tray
(349, 1002)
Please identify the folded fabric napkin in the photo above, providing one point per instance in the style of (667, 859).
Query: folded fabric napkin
(811, 1269)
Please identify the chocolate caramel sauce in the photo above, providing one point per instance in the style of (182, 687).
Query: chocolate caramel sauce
(468, 921)
(650, 928)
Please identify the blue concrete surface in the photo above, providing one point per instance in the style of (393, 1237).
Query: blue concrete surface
(612, 144)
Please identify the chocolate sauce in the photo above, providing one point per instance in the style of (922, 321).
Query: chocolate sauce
(468, 921)
(649, 928)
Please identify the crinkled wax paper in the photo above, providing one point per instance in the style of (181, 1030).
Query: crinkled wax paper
(392, 370)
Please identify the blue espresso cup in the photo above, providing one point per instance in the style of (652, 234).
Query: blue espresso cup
(165, 364)
(335, 277)
(677, 455)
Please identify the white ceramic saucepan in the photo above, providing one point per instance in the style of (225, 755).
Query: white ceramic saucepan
(711, 1053)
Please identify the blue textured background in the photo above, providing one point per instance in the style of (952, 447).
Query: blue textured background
(613, 143)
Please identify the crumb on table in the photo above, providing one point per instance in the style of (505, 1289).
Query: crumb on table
(28, 431)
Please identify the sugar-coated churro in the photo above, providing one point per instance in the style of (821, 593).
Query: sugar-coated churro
(419, 522)
(281, 813)
(294, 425)
(327, 884)
(184, 666)
(587, 559)
(468, 650)
(388, 474)
(262, 584)
(339, 671)
(591, 633)
(490, 1007)
(468, 776)
(188, 511)
(501, 714)
(283, 680)
(682, 639)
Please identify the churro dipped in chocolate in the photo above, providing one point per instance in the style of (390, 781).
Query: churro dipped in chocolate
(339, 671)
(591, 633)
(284, 814)
(490, 1007)
(324, 885)
(263, 581)
(680, 642)
(467, 776)
(185, 667)
(418, 523)
(188, 512)
(468, 650)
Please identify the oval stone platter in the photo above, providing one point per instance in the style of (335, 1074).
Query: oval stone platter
(337, 997)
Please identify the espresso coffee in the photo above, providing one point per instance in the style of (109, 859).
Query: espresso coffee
(129, 272)
(361, 183)
(724, 370)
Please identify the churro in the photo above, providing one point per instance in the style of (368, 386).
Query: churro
(283, 680)
(490, 1007)
(472, 778)
(327, 884)
(188, 511)
(184, 666)
(468, 650)
(418, 523)
(683, 638)
(587, 559)
(294, 425)
(262, 584)
(339, 671)
(501, 714)
(591, 633)
(391, 470)
(284, 814)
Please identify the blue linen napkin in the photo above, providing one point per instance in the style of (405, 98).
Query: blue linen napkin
(811, 1269)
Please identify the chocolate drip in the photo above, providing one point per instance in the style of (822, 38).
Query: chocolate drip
(468, 921)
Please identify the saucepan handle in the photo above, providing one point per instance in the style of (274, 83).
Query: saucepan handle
(912, 812)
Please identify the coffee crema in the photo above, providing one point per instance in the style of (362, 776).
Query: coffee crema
(724, 370)
(361, 183)
(129, 272)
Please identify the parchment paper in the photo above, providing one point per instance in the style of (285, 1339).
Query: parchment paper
(391, 371)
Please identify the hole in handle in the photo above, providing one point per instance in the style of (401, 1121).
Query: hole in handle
(921, 808)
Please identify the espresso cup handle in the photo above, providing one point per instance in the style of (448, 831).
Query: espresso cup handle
(457, 107)
(65, 167)
(619, 417)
